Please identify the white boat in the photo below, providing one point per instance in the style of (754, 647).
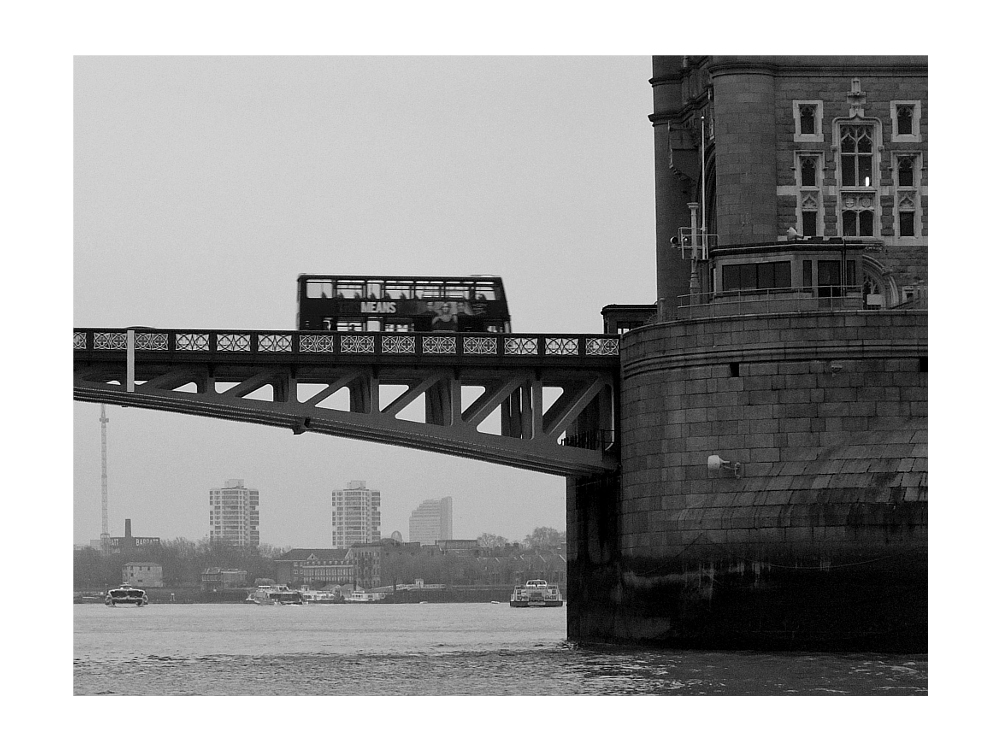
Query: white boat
(276, 594)
(536, 593)
(311, 596)
(126, 594)
(364, 597)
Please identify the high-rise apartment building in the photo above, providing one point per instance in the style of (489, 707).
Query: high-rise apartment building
(234, 514)
(431, 521)
(356, 515)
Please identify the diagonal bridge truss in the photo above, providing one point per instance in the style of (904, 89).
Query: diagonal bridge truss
(533, 401)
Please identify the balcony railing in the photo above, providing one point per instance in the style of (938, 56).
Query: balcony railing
(766, 301)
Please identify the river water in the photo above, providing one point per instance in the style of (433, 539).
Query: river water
(428, 650)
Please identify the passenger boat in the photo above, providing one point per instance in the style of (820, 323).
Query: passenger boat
(126, 594)
(276, 594)
(536, 593)
(311, 596)
(364, 597)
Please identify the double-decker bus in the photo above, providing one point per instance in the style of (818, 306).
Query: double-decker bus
(410, 303)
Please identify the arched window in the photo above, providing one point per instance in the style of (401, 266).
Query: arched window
(857, 149)
(858, 177)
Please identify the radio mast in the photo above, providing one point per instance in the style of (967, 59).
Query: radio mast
(105, 537)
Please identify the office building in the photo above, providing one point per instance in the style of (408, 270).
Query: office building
(356, 515)
(234, 514)
(431, 521)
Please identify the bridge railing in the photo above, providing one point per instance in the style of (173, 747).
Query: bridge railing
(384, 345)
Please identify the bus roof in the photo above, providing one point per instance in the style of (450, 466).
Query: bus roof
(398, 277)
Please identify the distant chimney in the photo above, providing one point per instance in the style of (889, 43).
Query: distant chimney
(128, 528)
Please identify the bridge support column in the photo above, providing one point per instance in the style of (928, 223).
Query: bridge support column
(593, 554)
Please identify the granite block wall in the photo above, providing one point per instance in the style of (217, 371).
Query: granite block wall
(828, 421)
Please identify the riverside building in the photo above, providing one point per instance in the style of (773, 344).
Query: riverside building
(356, 515)
(234, 514)
(431, 521)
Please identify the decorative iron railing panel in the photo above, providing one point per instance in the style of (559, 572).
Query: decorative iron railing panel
(355, 344)
(479, 345)
(602, 347)
(233, 342)
(191, 342)
(561, 345)
(110, 340)
(438, 345)
(517, 349)
(399, 345)
(151, 342)
(520, 345)
(316, 344)
(274, 343)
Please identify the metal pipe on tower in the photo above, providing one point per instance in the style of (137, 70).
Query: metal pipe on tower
(105, 536)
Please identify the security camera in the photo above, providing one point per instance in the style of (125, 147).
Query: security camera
(836, 367)
(715, 463)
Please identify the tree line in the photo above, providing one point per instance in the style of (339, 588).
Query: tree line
(182, 561)
(542, 538)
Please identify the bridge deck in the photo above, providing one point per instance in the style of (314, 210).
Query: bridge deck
(179, 370)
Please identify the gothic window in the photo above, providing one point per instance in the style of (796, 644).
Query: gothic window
(858, 214)
(810, 213)
(808, 171)
(857, 148)
(904, 172)
(906, 206)
(905, 121)
(808, 120)
(809, 179)
(907, 198)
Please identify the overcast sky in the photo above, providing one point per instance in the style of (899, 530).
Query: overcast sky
(204, 185)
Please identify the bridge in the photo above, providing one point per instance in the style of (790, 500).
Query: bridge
(555, 394)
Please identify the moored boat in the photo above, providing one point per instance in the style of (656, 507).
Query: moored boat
(311, 596)
(126, 594)
(276, 594)
(364, 597)
(536, 593)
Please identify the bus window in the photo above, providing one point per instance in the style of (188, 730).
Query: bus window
(456, 291)
(485, 292)
(399, 327)
(349, 324)
(374, 290)
(373, 324)
(431, 291)
(319, 289)
(398, 290)
(349, 289)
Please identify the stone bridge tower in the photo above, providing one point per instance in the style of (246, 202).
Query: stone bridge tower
(773, 485)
